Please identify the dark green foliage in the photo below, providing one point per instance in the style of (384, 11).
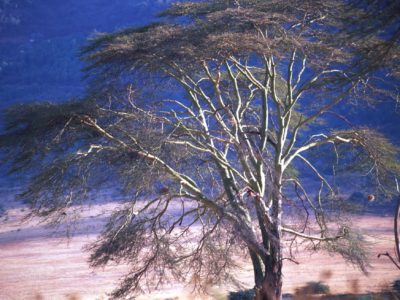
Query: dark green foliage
(242, 295)
(317, 287)
(353, 247)
(311, 290)
(372, 154)
(396, 286)
(225, 30)
(377, 34)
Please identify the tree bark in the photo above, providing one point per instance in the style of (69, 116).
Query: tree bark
(271, 286)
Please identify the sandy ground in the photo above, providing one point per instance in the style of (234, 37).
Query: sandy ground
(37, 263)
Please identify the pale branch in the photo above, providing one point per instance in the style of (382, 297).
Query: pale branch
(275, 98)
(311, 237)
(290, 78)
(185, 107)
(235, 118)
(59, 135)
(312, 81)
(247, 103)
(247, 73)
(265, 116)
(329, 139)
(237, 92)
(328, 106)
(183, 179)
(199, 92)
(217, 90)
(293, 139)
(299, 185)
(314, 169)
(218, 157)
(189, 144)
(310, 119)
(95, 149)
(299, 76)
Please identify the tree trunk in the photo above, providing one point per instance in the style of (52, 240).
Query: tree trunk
(271, 286)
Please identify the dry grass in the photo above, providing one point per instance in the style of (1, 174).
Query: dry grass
(38, 265)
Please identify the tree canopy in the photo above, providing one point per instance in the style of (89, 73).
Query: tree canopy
(208, 122)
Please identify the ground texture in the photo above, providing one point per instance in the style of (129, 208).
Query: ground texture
(37, 263)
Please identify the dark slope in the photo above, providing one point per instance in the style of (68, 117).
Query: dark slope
(40, 41)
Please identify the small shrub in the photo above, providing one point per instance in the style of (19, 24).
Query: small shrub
(313, 288)
(317, 287)
(242, 295)
(396, 286)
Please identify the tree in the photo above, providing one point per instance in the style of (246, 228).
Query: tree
(209, 123)
(367, 27)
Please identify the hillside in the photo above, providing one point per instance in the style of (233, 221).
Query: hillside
(40, 42)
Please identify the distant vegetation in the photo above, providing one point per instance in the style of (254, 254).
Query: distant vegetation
(40, 42)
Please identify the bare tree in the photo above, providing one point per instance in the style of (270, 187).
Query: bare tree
(207, 122)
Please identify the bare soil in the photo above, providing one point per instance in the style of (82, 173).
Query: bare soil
(37, 263)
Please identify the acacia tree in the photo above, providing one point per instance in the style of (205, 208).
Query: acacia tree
(207, 122)
(369, 20)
